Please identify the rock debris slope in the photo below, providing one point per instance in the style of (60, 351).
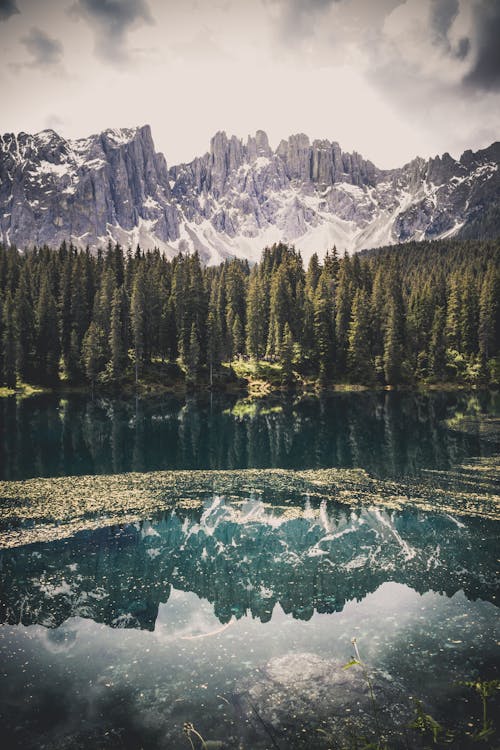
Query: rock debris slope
(238, 197)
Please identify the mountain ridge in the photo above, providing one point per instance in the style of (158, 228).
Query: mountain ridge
(238, 197)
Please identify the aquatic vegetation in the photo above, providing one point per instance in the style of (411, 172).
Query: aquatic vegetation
(51, 508)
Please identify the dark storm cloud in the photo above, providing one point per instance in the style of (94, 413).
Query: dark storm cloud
(443, 13)
(8, 8)
(299, 16)
(111, 20)
(485, 73)
(44, 50)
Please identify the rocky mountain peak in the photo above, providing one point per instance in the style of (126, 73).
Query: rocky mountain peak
(236, 198)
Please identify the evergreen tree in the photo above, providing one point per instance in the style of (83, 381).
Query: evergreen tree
(117, 342)
(323, 328)
(24, 325)
(138, 318)
(256, 332)
(193, 359)
(237, 337)
(343, 314)
(468, 319)
(489, 304)
(385, 314)
(360, 363)
(394, 337)
(454, 308)
(81, 291)
(47, 334)
(235, 308)
(437, 351)
(93, 352)
(279, 310)
(213, 345)
(286, 355)
(393, 346)
(9, 343)
(313, 273)
(65, 295)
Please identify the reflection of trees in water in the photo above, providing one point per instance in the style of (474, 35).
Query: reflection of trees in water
(386, 433)
(245, 561)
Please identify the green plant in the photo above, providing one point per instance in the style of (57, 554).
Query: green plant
(189, 731)
(427, 726)
(485, 690)
(356, 661)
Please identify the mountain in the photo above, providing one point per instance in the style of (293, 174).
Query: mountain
(238, 197)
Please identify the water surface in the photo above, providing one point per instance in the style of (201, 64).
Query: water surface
(235, 610)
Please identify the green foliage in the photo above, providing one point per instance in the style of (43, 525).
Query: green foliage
(428, 727)
(417, 312)
(8, 343)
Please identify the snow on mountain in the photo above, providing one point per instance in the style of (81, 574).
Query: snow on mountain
(236, 198)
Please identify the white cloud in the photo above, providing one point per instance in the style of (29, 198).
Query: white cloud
(383, 78)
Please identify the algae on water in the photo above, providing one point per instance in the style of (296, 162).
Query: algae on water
(49, 508)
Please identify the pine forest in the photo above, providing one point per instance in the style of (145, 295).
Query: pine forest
(428, 314)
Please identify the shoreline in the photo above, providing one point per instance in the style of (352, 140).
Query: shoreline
(252, 391)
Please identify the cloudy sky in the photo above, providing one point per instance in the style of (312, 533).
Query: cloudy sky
(389, 78)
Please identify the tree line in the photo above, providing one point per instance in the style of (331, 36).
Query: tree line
(427, 311)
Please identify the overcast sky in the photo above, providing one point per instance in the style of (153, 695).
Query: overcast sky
(388, 78)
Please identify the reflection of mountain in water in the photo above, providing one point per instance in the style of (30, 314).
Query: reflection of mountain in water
(245, 559)
(388, 434)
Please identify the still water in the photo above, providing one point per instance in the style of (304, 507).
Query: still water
(236, 610)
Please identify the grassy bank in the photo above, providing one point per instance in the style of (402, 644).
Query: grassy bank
(253, 378)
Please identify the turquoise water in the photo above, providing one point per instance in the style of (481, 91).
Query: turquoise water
(236, 612)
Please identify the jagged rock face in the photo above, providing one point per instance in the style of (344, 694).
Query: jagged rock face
(85, 190)
(236, 198)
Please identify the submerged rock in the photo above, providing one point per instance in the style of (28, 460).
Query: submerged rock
(306, 701)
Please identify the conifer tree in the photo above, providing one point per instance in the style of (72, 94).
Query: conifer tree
(237, 337)
(93, 354)
(235, 311)
(323, 328)
(256, 332)
(279, 310)
(8, 342)
(313, 273)
(65, 308)
(437, 350)
(343, 314)
(24, 325)
(469, 314)
(47, 334)
(168, 331)
(213, 345)
(138, 318)
(286, 355)
(394, 335)
(489, 304)
(393, 345)
(193, 359)
(453, 315)
(117, 342)
(359, 356)
(81, 288)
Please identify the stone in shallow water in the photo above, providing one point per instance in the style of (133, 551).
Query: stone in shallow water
(303, 699)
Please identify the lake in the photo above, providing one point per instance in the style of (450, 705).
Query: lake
(210, 560)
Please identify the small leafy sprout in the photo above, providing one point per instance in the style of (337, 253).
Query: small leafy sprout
(485, 689)
(427, 725)
(356, 661)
